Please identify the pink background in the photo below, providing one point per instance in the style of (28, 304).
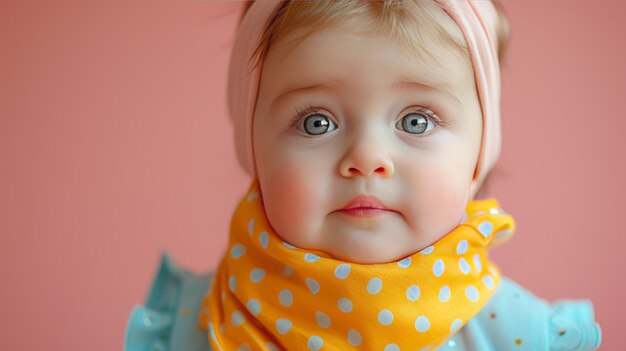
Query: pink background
(115, 145)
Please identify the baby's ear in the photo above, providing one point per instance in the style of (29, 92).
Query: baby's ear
(480, 189)
(245, 7)
(503, 30)
(476, 191)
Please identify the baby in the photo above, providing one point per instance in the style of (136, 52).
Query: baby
(368, 129)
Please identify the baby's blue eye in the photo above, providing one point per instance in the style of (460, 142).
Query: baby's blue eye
(318, 124)
(415, 123)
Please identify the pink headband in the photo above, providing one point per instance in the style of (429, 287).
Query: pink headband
(477, 20)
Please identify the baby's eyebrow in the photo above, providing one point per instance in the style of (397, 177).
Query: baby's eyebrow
(404, 84)
(407, 84)
(307, 89)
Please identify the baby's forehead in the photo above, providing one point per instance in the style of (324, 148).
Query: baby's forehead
(428, 50)
(333, 56)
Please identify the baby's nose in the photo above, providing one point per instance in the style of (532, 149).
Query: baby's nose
(367, 156)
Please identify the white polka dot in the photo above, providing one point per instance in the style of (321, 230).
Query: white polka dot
(472, 293)
(309, 257)
(495, 211)
(256, 275)
(405, 262)
(287, 271)
(493, 271)
(464, 266)
(503, 233)
(485, 228)
(422, 324)
(271, 346)
(385, 317)
(342, 271)
(237, 251)
(438, 268)
(212, 330)
(461, 248)
(354, 337)
(315, 343)
(477, 263)
(323, 320)
(313, 285)
(285, 297)
(456, 324)
(283, 326)
(413, 293)
(488, 281)
(392, 347)
(428, 250)
(444, 293)
(251, 226)
(478, 213)
(254, 306)
(232, 283)
(374, 285)
(237, 318)
(252, 195)
(243, 347)
(264, 239)
(345, 305)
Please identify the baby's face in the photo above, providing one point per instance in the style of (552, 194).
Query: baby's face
(372, 130)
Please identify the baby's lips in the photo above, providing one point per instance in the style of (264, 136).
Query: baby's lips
(365, 201)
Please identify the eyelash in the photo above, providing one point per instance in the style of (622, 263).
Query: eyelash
(303, 112)
(310, 110)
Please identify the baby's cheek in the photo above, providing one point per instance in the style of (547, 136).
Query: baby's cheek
(442, 201)
(452, 201)
(292, 204)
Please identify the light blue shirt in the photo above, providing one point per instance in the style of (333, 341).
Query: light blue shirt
(513, 319)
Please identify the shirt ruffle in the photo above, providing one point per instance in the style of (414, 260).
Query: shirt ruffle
(168, 319)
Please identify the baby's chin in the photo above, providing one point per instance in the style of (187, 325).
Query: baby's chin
(375, 258)
(370, 242)
(374, 253)
(361, 252)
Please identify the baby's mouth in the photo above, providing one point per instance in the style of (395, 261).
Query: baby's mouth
(365, 206)
(364, 211)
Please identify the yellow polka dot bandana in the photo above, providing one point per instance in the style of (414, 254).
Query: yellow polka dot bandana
(270, 295)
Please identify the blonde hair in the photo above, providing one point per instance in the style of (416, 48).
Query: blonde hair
(411, 22)
(415, 23)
